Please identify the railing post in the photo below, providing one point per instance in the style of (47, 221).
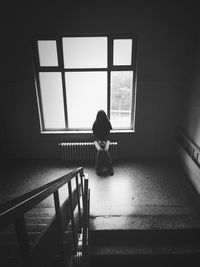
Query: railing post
(23, 240)
(79, 206)
(85, 217)
(83, 178)
(82, 175)
(72, 216)
(60, 227)
(88, 215)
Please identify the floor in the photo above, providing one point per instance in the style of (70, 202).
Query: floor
(150, 187)
(137, 188)
(148, 194)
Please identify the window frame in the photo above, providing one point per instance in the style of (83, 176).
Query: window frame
(61, 69)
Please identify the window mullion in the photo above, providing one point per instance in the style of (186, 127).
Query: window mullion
(38, 91)
(108, 93)
(61, 66)
(37, 83)
(110, 60)
(134, 91)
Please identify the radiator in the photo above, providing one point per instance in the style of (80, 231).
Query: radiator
(83, 151)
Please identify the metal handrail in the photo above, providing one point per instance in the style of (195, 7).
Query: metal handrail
(13, 209)
(195, 146)
(190, 147)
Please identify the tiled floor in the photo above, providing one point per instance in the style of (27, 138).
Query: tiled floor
(143, 195)
(142, 187)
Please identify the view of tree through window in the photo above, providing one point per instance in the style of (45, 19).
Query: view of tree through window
(92, 76)
(121, 98)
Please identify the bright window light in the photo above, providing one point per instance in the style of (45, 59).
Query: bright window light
(85, 52)
(86, 94)
(122, 52)
(121, 98)
(47, 53)
(52, 100)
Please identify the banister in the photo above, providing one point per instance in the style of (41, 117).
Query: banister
(190, 142)
(13, 209)
(191, 148)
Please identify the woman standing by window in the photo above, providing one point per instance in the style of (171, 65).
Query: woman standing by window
(101, 131)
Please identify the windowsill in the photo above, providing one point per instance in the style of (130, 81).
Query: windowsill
(85, 132)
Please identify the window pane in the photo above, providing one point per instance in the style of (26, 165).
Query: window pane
(122, 52)
(47, 53)
(121, 98)
(85, 52)
(86, 94)
(52, 100)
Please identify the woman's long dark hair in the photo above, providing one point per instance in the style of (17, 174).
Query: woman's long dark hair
(102, 126)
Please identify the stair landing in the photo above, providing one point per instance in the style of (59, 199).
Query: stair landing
(143, 195)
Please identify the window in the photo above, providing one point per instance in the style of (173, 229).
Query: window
(78, 75)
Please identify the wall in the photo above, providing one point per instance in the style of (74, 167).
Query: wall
(191, 122)
(163, 28)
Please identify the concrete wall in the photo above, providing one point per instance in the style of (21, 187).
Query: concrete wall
(163, 29)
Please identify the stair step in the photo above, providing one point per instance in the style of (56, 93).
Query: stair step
(10, 250)
(9, 243)
(160, 249)
(144, 236)
(11, 262)
(12, 238)
(37, 220)
(144, 256)
(41, 212)
(31, 228)
(6, 237)
(145, 240)
(139, 210)
(144, 222)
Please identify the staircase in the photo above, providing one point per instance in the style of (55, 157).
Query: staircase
(42, 228)
(37, 221)
(116, 240)
(164, 241)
